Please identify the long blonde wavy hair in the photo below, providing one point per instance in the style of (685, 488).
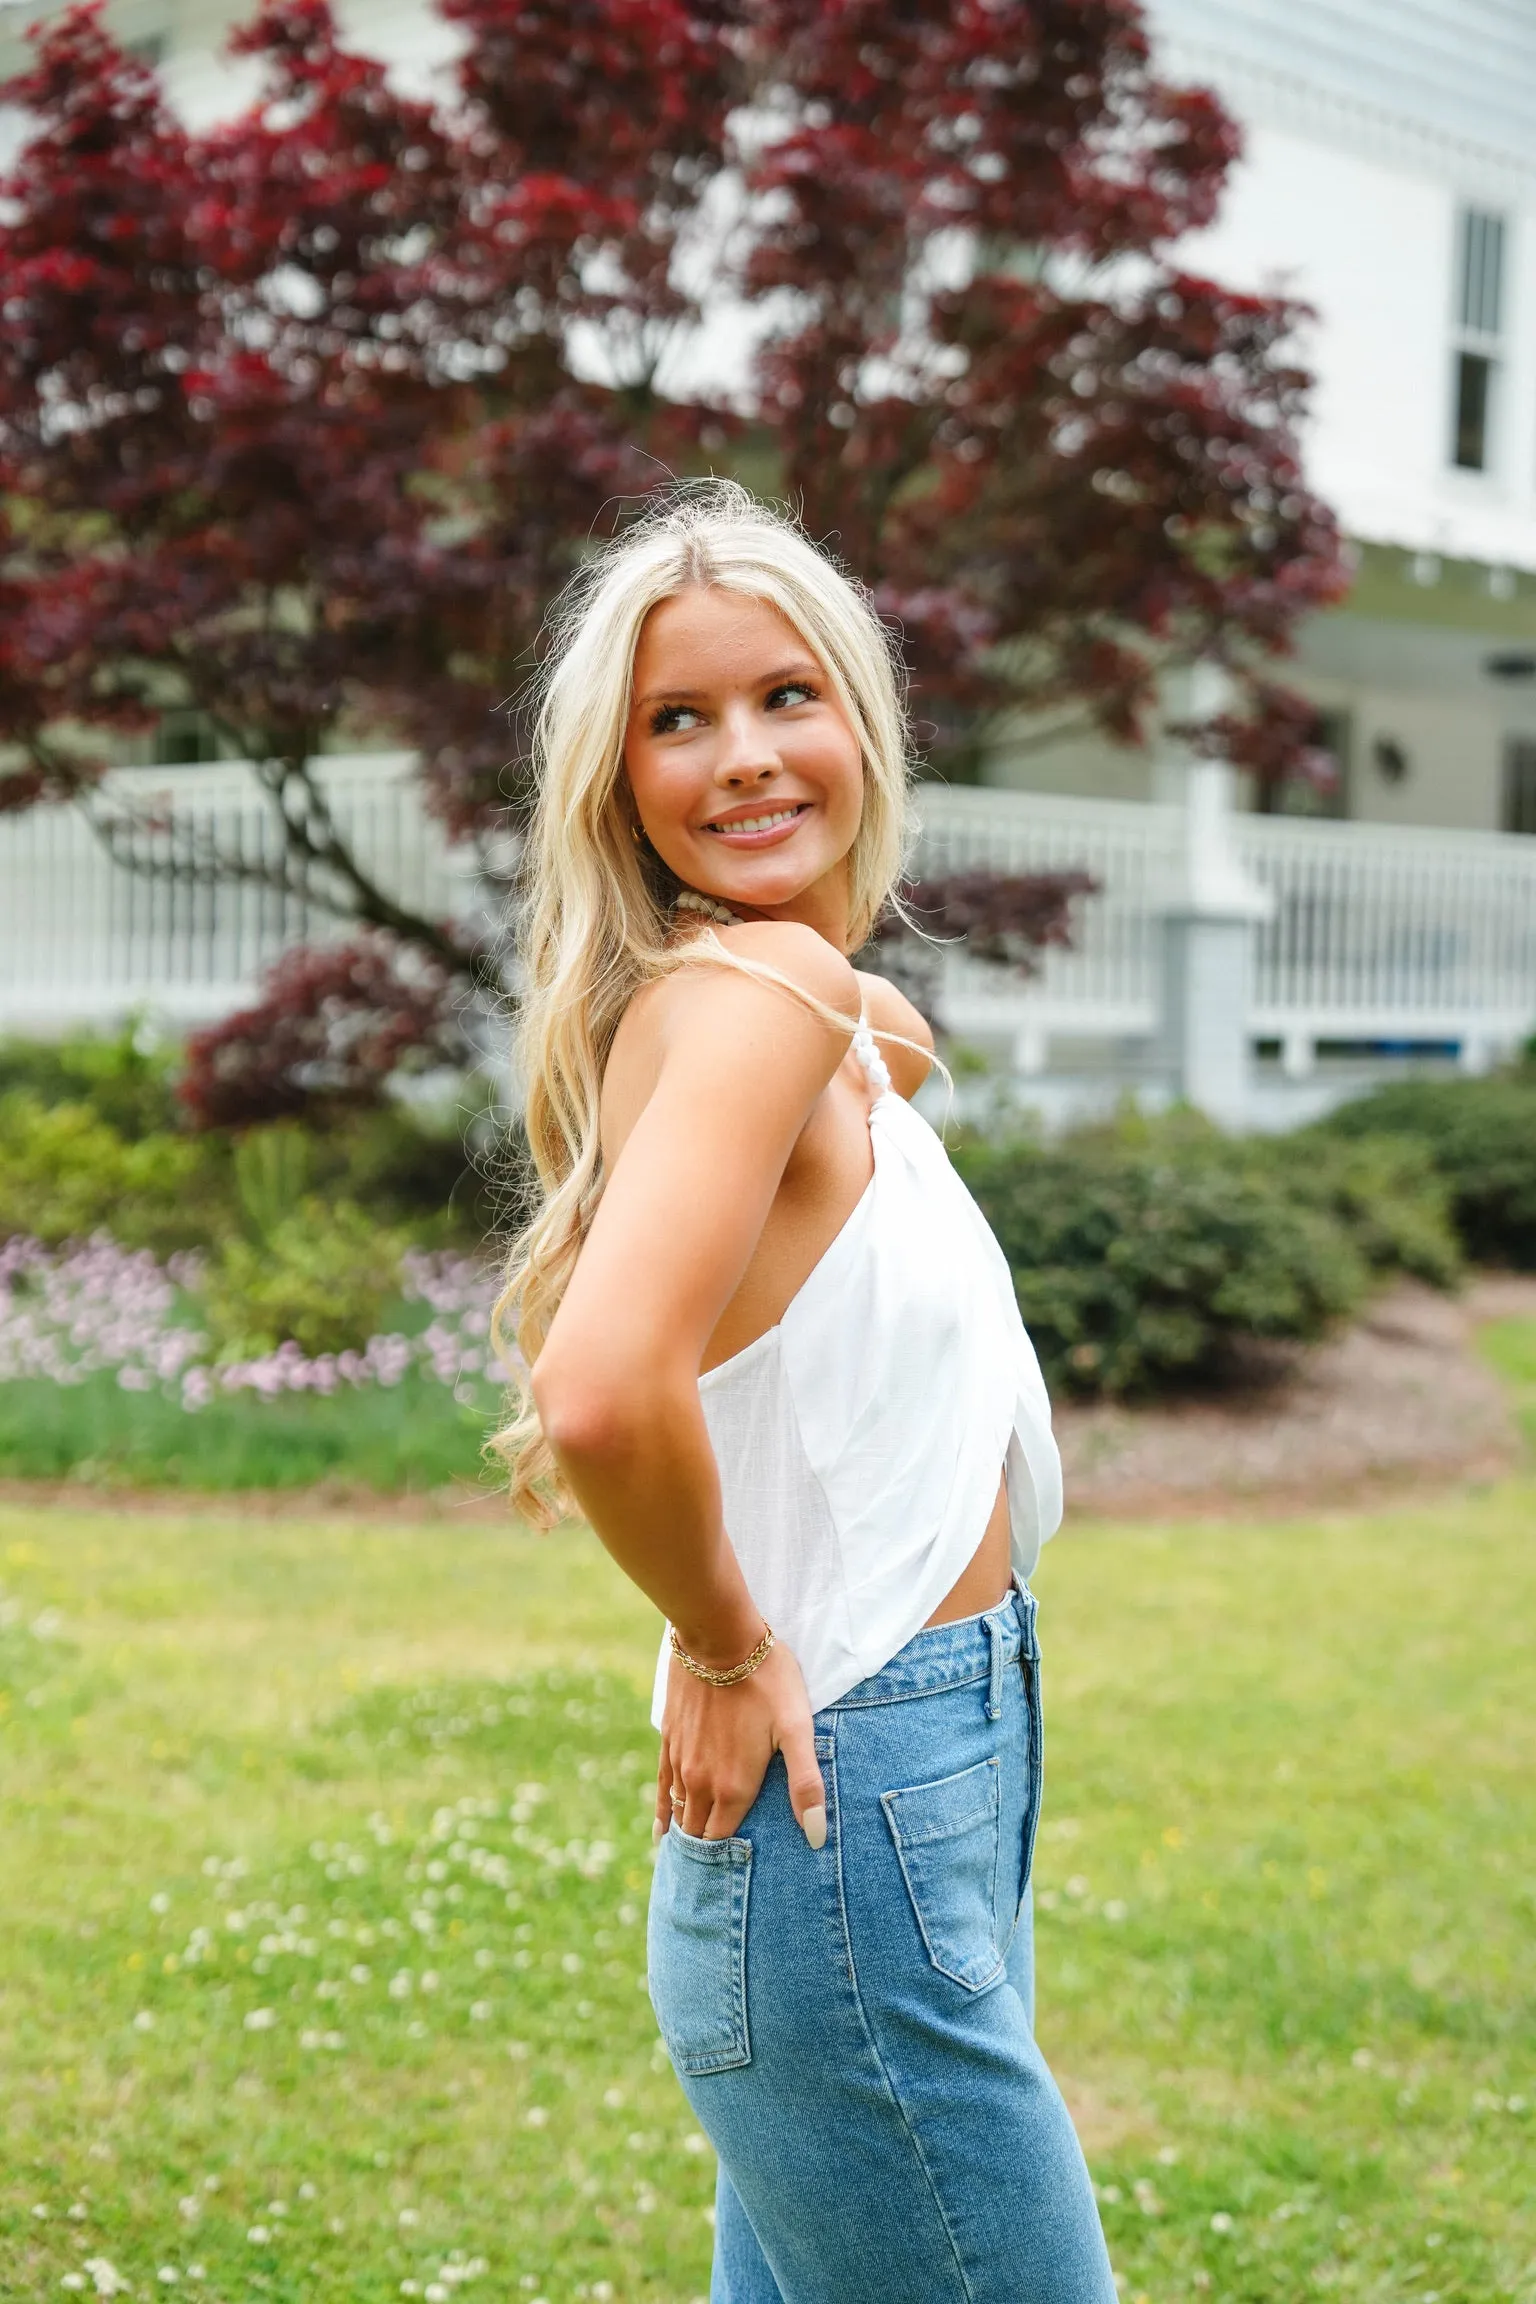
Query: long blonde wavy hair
(595, 919)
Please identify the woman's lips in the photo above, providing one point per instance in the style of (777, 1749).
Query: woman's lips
(735, 837)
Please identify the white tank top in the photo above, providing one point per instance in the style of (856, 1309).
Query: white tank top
(860, 1440)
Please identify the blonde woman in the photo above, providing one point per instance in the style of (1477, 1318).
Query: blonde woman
(775, 1359)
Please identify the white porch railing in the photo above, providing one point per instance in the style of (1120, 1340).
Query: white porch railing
(85, 940)
(1377, 934)
(1387, 934)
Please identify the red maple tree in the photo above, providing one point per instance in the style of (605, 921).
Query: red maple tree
(303, 418)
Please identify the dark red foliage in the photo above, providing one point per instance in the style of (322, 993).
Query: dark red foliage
(1279, 745)
(333, 1024)
(1004, 917)
(353, 380)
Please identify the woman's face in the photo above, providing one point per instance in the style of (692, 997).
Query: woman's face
(744, 768)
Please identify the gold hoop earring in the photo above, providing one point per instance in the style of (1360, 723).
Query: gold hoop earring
(637, 834)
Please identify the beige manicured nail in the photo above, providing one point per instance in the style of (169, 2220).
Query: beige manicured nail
(815, 1827)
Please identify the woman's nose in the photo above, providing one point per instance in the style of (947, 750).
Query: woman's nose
(746, 755)
(744, 772)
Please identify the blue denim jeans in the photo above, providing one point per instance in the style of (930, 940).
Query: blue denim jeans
(853, 2027)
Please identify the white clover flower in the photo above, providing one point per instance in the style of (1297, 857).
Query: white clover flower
(144, 2021)
(168, 2274)
(479, 2010)
(105, 2277)
(190, 2208)
(536, 2116)
(41, 2209)
(72, 2280)
(1221, 2221)
(360, 1973)
(258, 2233)
(307, 2191)
(160, 1902)
(260, 2019)
(407, 2217)
(436, 2293)
(613, 2098)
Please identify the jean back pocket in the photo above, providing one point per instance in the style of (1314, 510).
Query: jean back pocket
(696, 1951)
(947, 1837)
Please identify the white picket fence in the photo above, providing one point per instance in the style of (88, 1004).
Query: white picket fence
(1378, 935)
(85, 939)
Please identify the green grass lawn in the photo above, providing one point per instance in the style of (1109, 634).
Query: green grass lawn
(324, 1852)
(410, 1437)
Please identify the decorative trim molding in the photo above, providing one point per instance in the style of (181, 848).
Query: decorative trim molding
(1263, 97)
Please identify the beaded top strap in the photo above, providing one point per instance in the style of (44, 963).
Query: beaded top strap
(869, 1056)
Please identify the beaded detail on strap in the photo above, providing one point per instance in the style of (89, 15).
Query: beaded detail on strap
(875, 1070)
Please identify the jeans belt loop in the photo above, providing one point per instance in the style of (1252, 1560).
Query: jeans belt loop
(994, 1624)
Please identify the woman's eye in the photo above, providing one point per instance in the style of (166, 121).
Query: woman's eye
(791, 692)
(668, 718)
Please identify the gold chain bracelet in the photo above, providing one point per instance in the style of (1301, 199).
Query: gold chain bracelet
(741, 1671)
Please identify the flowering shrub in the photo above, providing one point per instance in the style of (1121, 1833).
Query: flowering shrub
(74, 1313)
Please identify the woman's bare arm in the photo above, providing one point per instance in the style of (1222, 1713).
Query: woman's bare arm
(740, 1065)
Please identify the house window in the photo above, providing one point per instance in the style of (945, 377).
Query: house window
(1479, 337)
(1520, 784)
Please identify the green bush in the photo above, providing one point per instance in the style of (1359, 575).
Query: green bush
(1481, 1137)
(1385, 1191)
(127, 1078)
(320, 1275)
(66, 1172)
(1148, 1257)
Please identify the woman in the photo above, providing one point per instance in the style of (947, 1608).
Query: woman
(776, 1360)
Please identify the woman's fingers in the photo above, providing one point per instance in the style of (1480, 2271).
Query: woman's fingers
(663, 1791)
(807, 1793)
(695, 1815)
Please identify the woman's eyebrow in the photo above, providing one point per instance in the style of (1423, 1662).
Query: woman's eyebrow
(795, 671)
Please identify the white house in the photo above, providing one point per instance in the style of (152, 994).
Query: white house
(1389, 181)
(1261, 964)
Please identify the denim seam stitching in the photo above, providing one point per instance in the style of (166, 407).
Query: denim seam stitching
(908, 1695)
(874, 2048)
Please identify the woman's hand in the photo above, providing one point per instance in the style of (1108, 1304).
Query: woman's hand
(716, 1744)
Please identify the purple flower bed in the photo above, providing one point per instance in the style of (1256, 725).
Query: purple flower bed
(71, 1313)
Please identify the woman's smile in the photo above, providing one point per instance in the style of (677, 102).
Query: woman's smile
(759, 826)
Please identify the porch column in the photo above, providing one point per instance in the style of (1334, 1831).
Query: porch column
(1210, 915)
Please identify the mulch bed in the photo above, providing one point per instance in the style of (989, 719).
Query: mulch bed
(1402, 1400)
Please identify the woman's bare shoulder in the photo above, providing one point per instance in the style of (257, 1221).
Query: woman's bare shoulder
(705, 1000)
(891, 1011)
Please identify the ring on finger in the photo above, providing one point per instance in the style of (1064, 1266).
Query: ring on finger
(679, 1800)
